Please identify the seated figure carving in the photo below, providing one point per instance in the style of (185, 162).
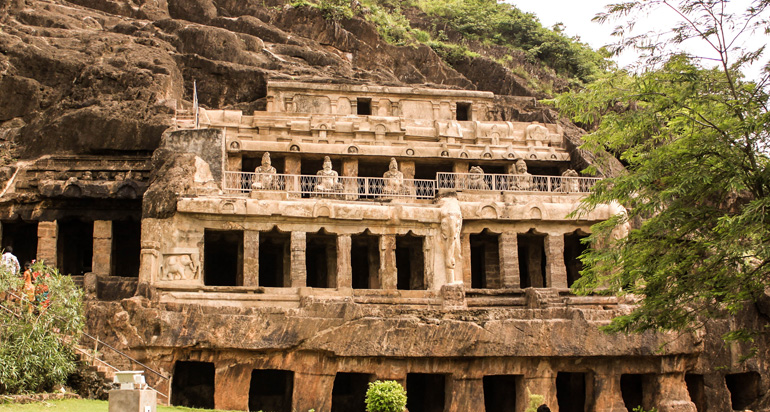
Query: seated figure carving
(570, 182)
(265, 178)
(522, 180)
(476, 179)
(328, 179)
(394, 179)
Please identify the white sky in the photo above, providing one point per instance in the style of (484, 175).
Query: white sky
(577, 15)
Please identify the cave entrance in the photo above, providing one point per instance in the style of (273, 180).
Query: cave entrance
(410, 262)
(531, 259)
(573, 248)
(571, 391)
(349, 392)
(75, 246)
(500, 392)
(126, 247)
(426, 392)
(321, 260)
(632, 390)
(192, 384)
(274, 259)
(222, 257)
(744, 389)
(365, 261)
(271, 390)
(696, 390)
(22, 237)
(485, 260)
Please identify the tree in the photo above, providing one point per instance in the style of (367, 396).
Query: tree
(37, 335)
(693, 134)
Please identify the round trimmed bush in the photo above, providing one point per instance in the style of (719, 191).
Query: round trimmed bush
(385, 396)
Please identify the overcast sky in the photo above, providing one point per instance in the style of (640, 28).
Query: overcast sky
(577, 15)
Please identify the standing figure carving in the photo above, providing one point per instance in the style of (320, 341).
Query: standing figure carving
(265, 178)
(451, 226)
(328, 179)
(394, 179)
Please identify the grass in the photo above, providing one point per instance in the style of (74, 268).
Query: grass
(80, 405)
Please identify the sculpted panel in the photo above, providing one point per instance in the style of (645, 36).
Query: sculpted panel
(180, 266)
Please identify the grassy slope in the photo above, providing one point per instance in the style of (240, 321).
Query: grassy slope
(79, 405)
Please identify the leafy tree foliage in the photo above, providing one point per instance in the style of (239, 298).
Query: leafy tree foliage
(694, 137)
(385, 396)
(37, 337)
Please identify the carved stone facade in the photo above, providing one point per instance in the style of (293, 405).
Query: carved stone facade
(352, 233)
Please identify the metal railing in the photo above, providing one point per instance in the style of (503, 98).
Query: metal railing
(343, 187)
(514, 183)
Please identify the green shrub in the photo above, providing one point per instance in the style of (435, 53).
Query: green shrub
(385, 396)
(37, 336)
(335, 9)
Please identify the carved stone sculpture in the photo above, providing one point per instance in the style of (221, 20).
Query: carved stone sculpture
(476, 179)
(522, 180)
(328, 179)
(394, 179)
(570, 182)
(265, 178)
(536, 135)
(180, 267)
(451, 226)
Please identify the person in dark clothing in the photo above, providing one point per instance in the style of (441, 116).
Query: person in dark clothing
(543, 408)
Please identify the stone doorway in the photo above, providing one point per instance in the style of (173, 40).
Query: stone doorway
(22, 235)
(75, 246)
(532, 259)
(192, 384)
(485, 261)
(744, 389)
(321, 260)
(571, 391)
(500, 393)
(632, 387)
(274, 258)
(271, 390)
(126, 247)
(223, 257)
(696, 389)
(573, 248)
(410, 262)
(365, 261)
(349, 392)
(426, 392)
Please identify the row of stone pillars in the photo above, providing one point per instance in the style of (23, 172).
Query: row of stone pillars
(667, 391)
(47, 246)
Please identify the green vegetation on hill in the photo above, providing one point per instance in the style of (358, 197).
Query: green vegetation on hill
(464, 28)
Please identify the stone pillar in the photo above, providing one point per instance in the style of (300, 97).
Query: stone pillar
(407, 168)
(555, 269)
(350, 186)
(509, 260)
(465, 244)
(388, 271)
(292, 166)
(231, 387)
(607, 394)
(670, 393)
(344, 268)
(464, 395)
(312, 392)
(250, 258)
(350, 167)
(460, 167)
(298, 269)
(46, 242)
(235, 163)
(541, 381)
(492, 266)
(101, 262)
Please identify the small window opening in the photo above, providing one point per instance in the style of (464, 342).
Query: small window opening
(571, 391)
(500, 393)
(365, 261)
(632, 390)
(364, 107)
(696, 389)
(75, 246)
(532, 259)
(22, 236)
(410, 263)
(349, 391)
(223, 257)
(192, 385)
(744, 389)
(321, 260)
(573, 248)
(485, 261)
(426, 392)
(126, 247)
(274, 259)
(463, 112)
(271, 390)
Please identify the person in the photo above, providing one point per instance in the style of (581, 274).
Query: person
(9, 262)
(394, 179)
(265, 174)
(543, 408)
(328, 179)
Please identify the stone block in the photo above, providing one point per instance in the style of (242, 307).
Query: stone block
(132, 400)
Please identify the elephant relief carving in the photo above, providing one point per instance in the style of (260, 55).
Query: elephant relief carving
(180, 267)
